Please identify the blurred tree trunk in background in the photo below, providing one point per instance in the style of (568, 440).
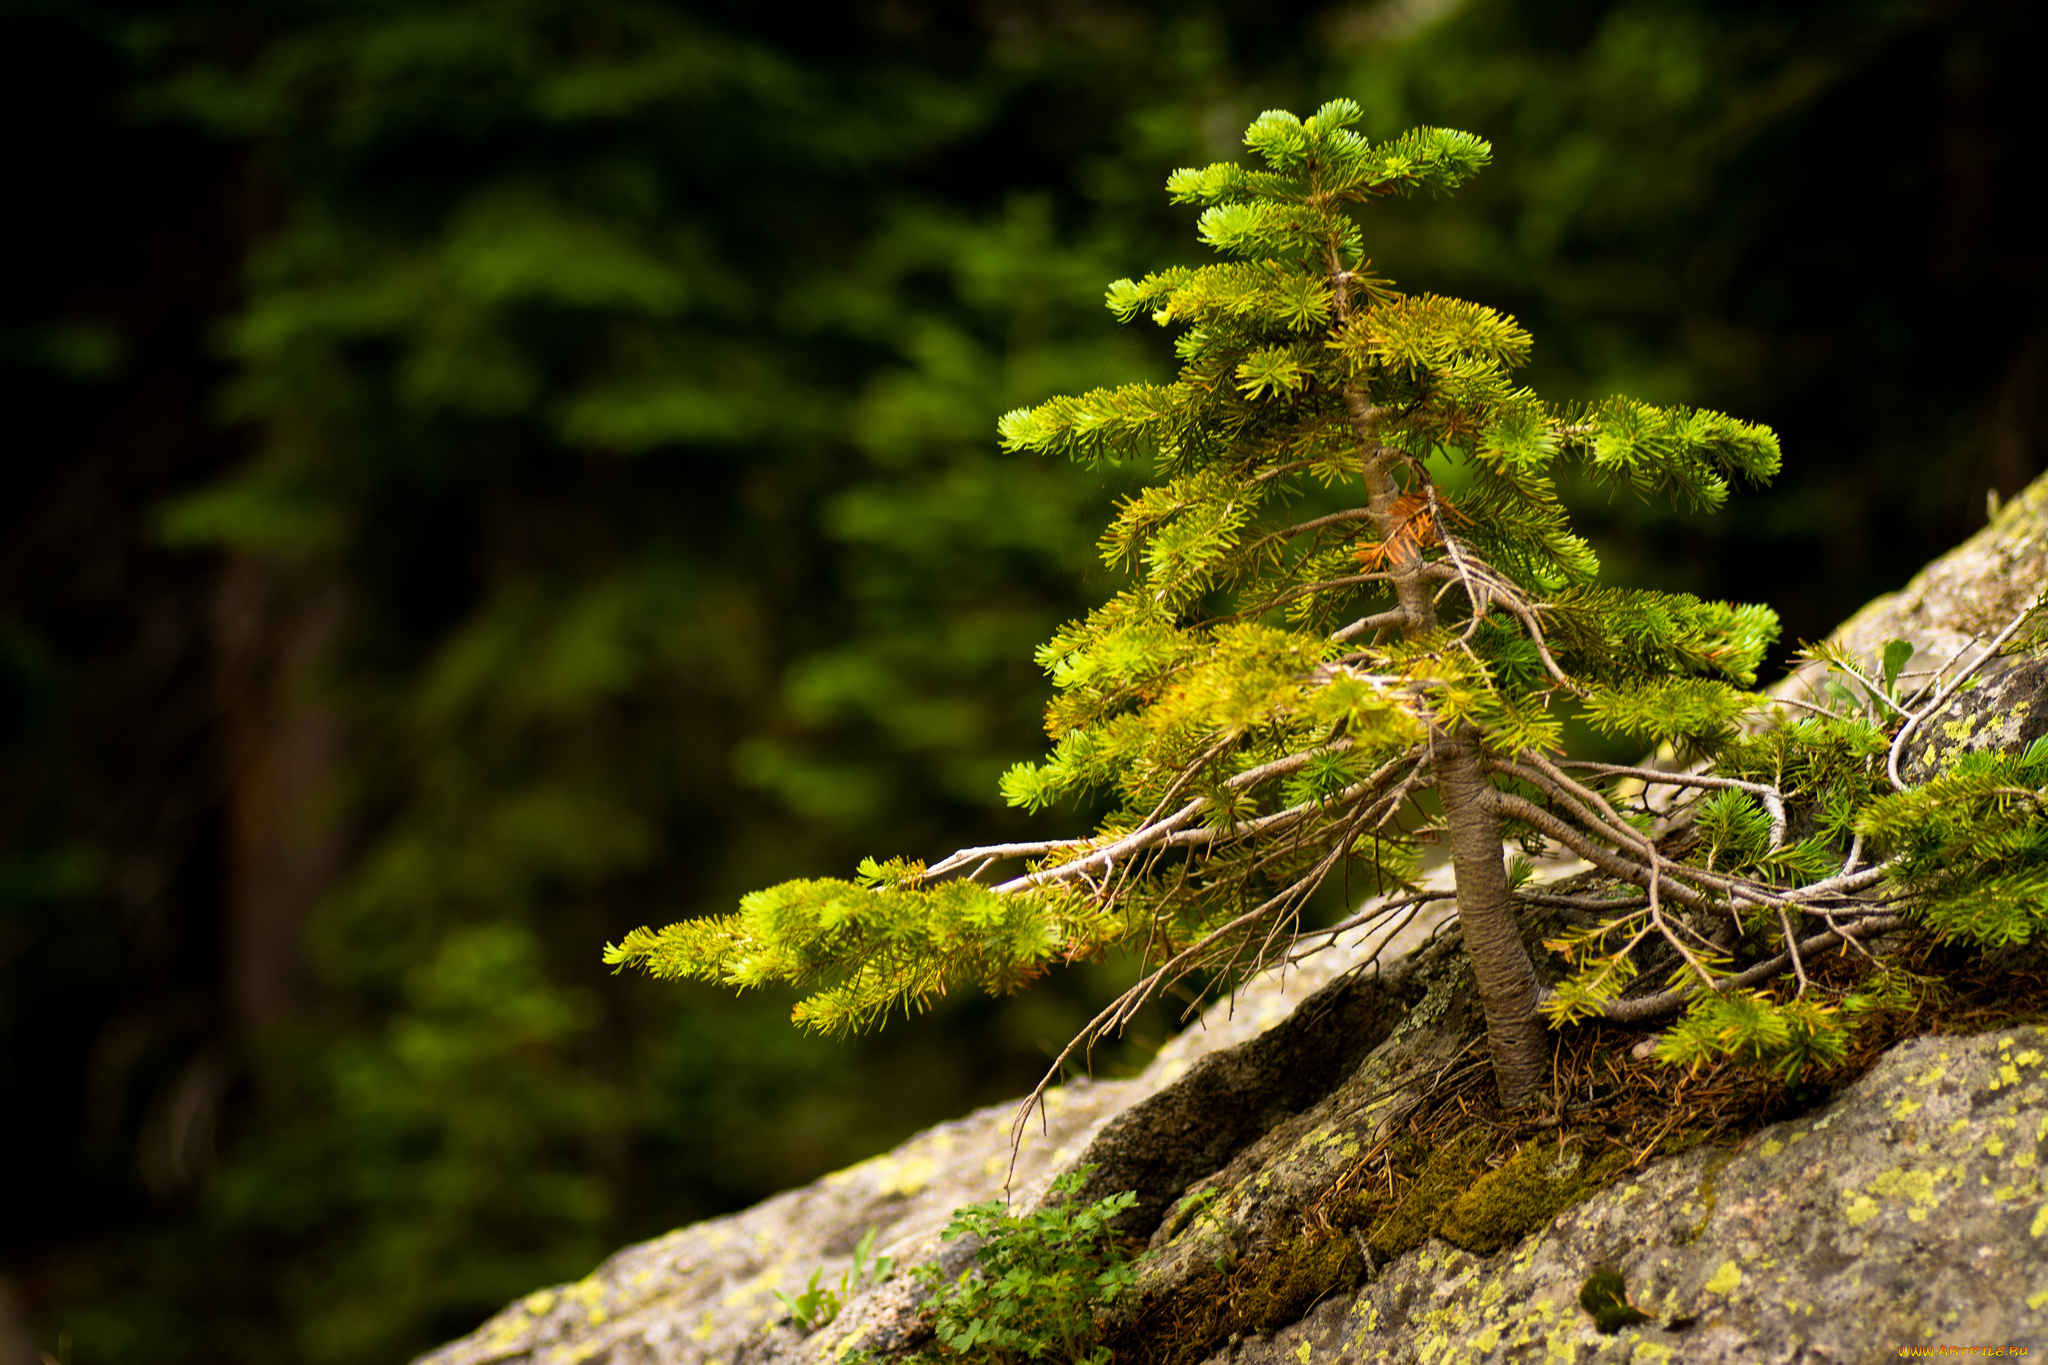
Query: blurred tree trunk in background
(485, 474)
(284, 747)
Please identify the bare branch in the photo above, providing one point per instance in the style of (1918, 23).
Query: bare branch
(1304, 527)
(964, 856)
(1664, 1002)
(1700, 969)
(1496, 587)
(1792, 949)
(1586, 903)
(1595, 852)
(1385, 620)
(1589, 806)
(1171, 832)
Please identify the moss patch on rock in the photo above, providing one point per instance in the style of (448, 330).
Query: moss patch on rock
(1538, 1183)
(1414, 1215)
(1300, 1275)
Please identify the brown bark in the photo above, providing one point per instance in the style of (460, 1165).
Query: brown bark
(1508, 989)
(1515, 1030)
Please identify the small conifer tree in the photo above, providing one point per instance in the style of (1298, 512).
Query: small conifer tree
(1352, 583)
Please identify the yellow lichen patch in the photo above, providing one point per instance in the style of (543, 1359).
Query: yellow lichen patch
(912, 1174)
(2028, 1058)
(1906, 1107)
(2035, 1301)
(703, 1330)
(539, 1301)
(589, 1294)
(1861, 1210)
(1995, 1147)
(506, 1333)
(1772, 1147)
(2040, 1222)
(1346, 1143)
(754, 1288)
(1649, 1353)
(1725, 1280)
(1916, 1186)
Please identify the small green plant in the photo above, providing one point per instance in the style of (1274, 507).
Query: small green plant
(1038, 1281)
(1878, 699)
(818, 1305)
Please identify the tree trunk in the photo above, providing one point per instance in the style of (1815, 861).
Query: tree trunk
(1515, 1029)
(274, 628)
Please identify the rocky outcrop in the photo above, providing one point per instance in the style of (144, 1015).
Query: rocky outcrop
(1908, 1211)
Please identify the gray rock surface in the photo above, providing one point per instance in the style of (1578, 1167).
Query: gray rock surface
(1908, 1212)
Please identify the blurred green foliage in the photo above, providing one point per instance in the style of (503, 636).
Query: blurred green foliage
(629, 370)
(1774, 209)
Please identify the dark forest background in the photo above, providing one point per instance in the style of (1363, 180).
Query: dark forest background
(483, 475)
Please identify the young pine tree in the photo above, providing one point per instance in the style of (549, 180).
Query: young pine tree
(1353, 582)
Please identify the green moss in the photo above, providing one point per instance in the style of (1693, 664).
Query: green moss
(1300, 1275)
(1449, 1172)
(1187, 1325)
(1544, 1179)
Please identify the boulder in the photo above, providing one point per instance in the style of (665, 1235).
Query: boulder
(1906, 1211)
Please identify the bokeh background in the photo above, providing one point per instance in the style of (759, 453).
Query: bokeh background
(481, 475)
